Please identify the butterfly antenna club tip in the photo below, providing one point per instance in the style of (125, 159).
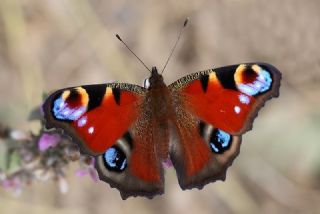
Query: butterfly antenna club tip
(186, 22)
(118, 37)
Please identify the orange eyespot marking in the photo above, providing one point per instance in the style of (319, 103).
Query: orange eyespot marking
(252, 80)
(84, 97)
(65, 95)
(239, 74)
(256, 68)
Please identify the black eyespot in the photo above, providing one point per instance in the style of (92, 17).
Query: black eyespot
(74, 95)
(220, 141)
(115, 159)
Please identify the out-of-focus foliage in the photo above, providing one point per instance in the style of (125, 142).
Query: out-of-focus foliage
(27, 158)
(46, 45)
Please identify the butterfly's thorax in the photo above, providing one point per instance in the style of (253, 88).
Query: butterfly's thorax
(160, 99)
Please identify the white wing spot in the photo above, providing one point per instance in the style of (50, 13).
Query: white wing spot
(237, 109)
(82, 121)
(244, 99)
(91, 130)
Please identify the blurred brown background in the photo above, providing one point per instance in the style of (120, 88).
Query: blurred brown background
(51, 44)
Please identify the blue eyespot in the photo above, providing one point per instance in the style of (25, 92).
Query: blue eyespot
(62, 111)
(265, 77)
(115, 159)
(220, 141)
(261, 84)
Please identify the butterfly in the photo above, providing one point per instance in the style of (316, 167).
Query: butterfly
(196, 122)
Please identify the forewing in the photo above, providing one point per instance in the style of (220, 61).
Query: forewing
(95, 116)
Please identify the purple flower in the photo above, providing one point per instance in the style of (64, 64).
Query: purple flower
(8, 183)
(13, 183)
(88, 169)
(48, 140)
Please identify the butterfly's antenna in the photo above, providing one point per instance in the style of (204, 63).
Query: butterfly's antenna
(175, 44)
(117, 35)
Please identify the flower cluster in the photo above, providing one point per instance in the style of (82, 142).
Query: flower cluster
(26, 158)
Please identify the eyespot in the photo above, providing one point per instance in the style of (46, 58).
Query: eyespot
(252, 80)
(115, 159)
(70, 105)
(220, 141)
(62, 110)
(146, 83)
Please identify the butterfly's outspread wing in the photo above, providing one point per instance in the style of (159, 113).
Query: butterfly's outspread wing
(126, 127)
(103, 121)
(214, 108)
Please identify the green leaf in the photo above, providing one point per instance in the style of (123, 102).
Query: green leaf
(14, 162)
(3, 155)
(45, 95)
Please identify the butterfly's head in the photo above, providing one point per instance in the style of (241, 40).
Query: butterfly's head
(155, 80)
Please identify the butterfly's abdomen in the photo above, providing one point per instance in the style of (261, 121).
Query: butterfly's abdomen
(162, 111)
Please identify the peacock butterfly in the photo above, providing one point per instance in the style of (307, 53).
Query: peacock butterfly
(196, 122)
(127, 127)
